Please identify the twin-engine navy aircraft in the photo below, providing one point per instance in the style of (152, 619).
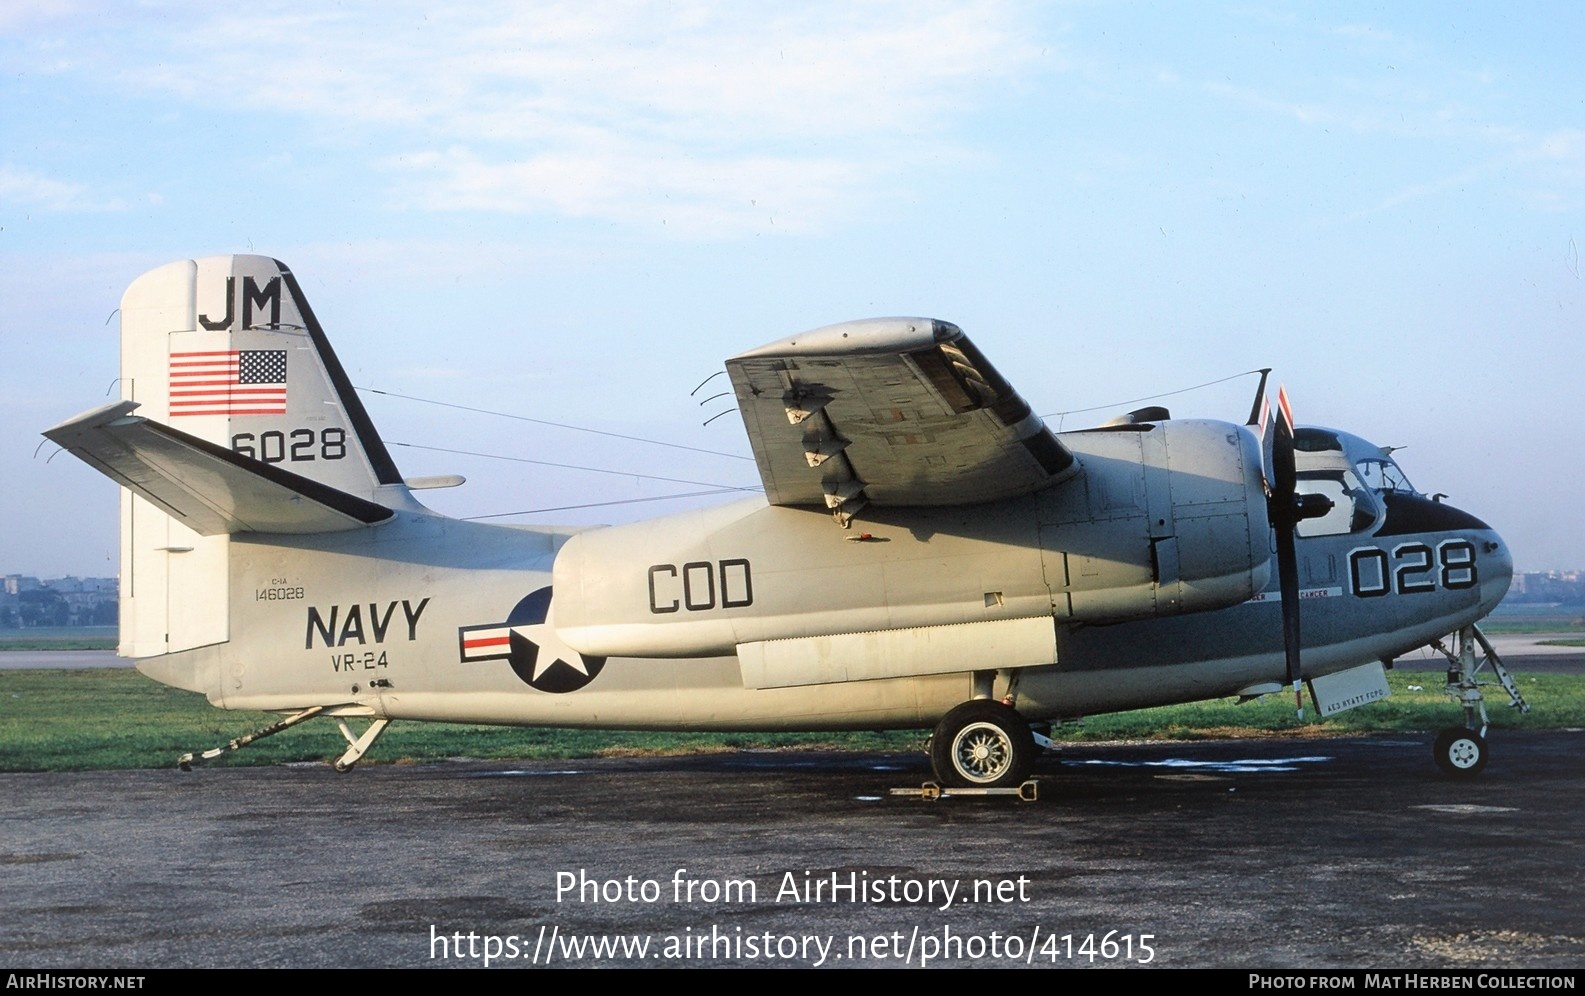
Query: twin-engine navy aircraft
(927, 553)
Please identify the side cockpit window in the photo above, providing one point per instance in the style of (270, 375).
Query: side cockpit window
(1354, 507)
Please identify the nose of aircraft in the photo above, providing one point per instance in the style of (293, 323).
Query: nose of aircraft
(1495, 566)
(1493, 562)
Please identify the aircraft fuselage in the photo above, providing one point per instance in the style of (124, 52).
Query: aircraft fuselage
(426, 617)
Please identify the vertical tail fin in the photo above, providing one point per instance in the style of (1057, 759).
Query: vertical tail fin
(227, 349)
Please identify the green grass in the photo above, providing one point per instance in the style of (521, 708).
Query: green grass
(1555, 701)
(114, 718)
(1573, 624)
(59, 638)
(1522, 619)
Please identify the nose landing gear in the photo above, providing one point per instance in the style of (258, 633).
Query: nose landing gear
(1461, 750)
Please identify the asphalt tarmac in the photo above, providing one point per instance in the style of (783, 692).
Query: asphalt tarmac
(1295, 853)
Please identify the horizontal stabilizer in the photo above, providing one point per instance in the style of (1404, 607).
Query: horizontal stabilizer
(206, 487)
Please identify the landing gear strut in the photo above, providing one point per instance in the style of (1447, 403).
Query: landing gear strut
(1461, 750)
(982, 744)
(185, 762)
(357, 744)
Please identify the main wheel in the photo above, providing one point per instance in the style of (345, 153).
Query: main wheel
(982, 744)
(1460, 751)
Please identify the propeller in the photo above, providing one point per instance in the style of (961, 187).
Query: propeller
(1286, 508)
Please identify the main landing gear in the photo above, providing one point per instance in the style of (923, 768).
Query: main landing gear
(1461, 750)
(984, 743)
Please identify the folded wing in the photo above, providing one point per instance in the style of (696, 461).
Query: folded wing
(889, 411)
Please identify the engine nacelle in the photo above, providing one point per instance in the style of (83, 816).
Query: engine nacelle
(1164, 519)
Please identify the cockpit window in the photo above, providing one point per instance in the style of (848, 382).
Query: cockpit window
(1384, 475)
(1309, 439)
(1354, 507)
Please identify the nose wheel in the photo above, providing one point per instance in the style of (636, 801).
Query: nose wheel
(982, 744)
(1460, 751)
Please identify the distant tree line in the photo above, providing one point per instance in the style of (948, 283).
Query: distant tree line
(47, 607)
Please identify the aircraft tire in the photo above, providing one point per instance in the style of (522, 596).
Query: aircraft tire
(982, 744)
(1460, 752)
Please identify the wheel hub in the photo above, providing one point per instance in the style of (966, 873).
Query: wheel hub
(983, 752)
(1463, 753)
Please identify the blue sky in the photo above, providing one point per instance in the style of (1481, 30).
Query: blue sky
(573, 212)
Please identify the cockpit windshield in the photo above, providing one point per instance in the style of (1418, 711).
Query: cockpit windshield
(1317, 448)
(1382, 473)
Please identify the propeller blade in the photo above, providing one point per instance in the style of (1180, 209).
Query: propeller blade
(1288, 580)
(1264, 433)
(1286, 508)
(1284, 477)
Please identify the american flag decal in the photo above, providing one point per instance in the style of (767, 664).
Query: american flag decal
(229, 382)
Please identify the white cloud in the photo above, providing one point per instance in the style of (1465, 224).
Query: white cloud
(634, 112)
(30, 190)
(1359, 117)
(1565, 147)
(18, 17)
(1558, 162)
(644, 183)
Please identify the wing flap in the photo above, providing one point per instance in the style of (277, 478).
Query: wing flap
(206, 487)
(890, 411)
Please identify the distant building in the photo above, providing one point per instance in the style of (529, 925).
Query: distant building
(1560, 587)
(16, 584)
(25, 601)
